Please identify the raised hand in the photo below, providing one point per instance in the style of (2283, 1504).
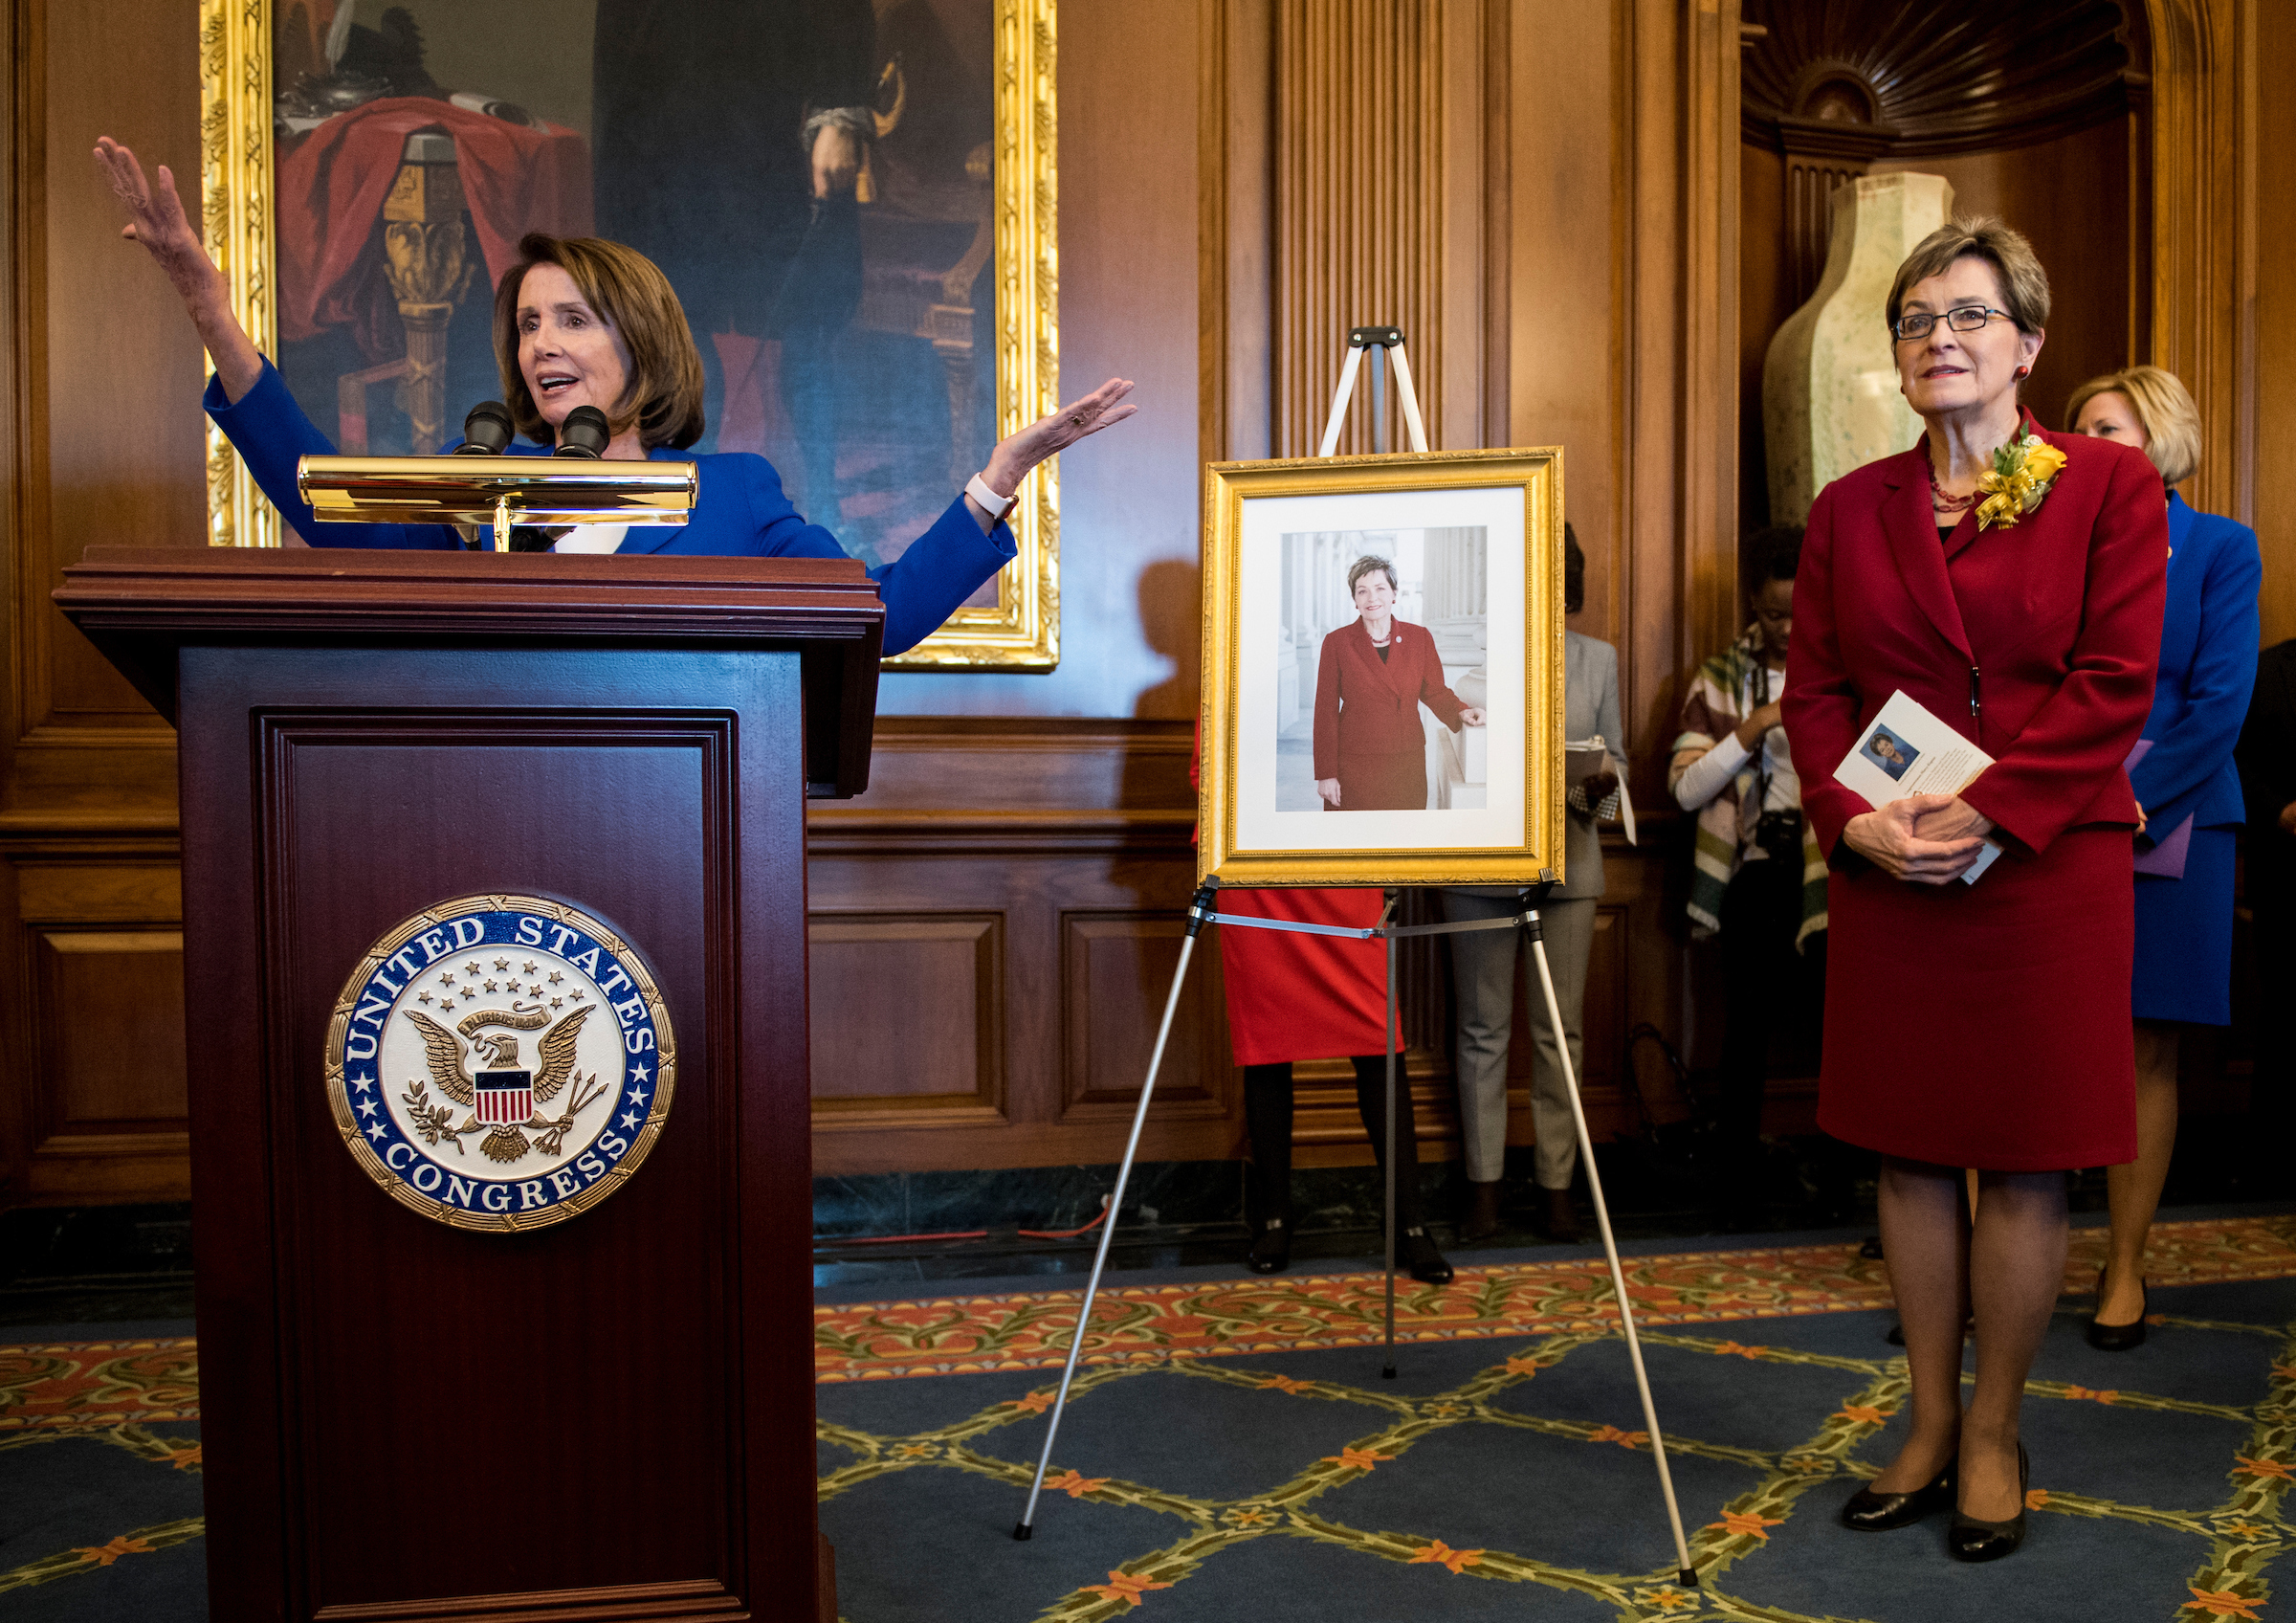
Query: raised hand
(1021, 452)
(156, 216)
(158, 220)
(1016, 453)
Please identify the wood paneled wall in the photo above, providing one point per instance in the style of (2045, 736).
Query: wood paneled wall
(2275, 327)
(103, 443)
(1550, 196)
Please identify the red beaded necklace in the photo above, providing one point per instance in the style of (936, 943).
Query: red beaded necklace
(1944, 504)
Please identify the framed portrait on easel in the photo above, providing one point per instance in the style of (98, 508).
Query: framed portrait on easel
(854, 200)
(1382, 670)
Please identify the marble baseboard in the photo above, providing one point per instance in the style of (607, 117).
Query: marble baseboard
(1163, 1195)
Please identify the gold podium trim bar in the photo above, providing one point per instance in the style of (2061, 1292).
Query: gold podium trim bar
(476, 490)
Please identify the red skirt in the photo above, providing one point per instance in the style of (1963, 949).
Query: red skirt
(1986, 1024)
(1294, 996)
(1382, 783)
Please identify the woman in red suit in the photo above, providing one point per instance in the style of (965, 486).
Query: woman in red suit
(2012, 581)
(1371, 751)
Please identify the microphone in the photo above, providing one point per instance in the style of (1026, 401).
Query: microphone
(486, 431)
(585, 432)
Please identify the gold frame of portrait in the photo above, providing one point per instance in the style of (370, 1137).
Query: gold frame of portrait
(1537, 472)
(1022, 632)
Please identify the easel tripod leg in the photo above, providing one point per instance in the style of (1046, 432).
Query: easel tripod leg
(1197, 913)
(1387, 1041)
(1687, 1575)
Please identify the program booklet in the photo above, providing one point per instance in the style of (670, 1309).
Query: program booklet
(1906, 751)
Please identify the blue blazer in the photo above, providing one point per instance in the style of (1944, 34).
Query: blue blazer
(2208, 640)
(739, 511)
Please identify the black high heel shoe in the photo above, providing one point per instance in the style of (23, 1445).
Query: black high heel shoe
(1869, 1512)
(1970, 1538)
(1272, 1251)
(2119, 1338)
(1426, 1262)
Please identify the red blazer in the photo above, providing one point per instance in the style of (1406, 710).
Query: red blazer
(1381, 699)
(2052, 627)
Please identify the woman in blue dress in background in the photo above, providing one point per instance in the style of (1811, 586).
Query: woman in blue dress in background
(2189, 792)
(583, 321)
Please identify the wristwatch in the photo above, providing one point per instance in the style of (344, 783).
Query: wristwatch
(996, 505)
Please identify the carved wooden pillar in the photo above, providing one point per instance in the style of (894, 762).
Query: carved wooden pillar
(1821, 154)
(2203, 237)
(1359, 138)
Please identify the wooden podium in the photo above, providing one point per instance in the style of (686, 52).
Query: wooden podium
(610, 1418)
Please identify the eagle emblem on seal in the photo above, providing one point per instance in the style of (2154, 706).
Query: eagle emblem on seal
(504, 1100)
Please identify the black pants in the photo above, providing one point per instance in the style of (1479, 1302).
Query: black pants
(1767, 985)
(1267, 1110)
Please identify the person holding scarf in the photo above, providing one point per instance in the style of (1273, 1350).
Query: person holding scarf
(1757, 879)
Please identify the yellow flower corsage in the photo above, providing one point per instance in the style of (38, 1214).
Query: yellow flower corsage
(2020, 476)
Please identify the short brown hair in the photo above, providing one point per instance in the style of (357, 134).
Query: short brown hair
(1364, 566)
(2024, 284)
(2164, 410)
(663, 398)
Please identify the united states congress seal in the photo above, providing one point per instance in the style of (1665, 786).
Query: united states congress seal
(500, 1062)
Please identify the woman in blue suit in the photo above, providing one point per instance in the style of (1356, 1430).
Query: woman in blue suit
(583, 321)
(2188, 793)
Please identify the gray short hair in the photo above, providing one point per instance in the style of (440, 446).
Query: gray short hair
(2024, 284)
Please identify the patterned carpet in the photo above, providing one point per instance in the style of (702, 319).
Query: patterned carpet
(1232, 1452)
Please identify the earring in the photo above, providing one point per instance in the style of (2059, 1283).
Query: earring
(2025, 371)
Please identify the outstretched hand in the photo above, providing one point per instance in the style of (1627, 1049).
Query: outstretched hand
(158, 220)
(1009, 463)
(156, 216)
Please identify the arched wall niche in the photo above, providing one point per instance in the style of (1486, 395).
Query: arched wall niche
(2043, 120)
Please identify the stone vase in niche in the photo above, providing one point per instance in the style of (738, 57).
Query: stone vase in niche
(1830, 399)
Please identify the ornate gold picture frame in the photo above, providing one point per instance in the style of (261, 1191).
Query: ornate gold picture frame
(1021, 630)
(1433, 755)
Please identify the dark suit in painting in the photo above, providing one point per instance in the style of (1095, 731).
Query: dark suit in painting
(699, 107)
(1368, 733)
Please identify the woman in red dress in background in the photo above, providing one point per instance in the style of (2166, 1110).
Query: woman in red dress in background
(1374, 673)
(1979, 1026)
(1294, 996)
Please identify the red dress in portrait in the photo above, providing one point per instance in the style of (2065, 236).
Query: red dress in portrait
(1985, 1025)
(1368, 733)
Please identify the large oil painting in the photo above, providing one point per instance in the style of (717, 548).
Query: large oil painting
(854, 199)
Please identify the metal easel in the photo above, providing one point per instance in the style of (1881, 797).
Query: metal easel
(1201, 912)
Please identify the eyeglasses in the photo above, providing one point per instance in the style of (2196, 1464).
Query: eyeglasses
(1966, 318)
